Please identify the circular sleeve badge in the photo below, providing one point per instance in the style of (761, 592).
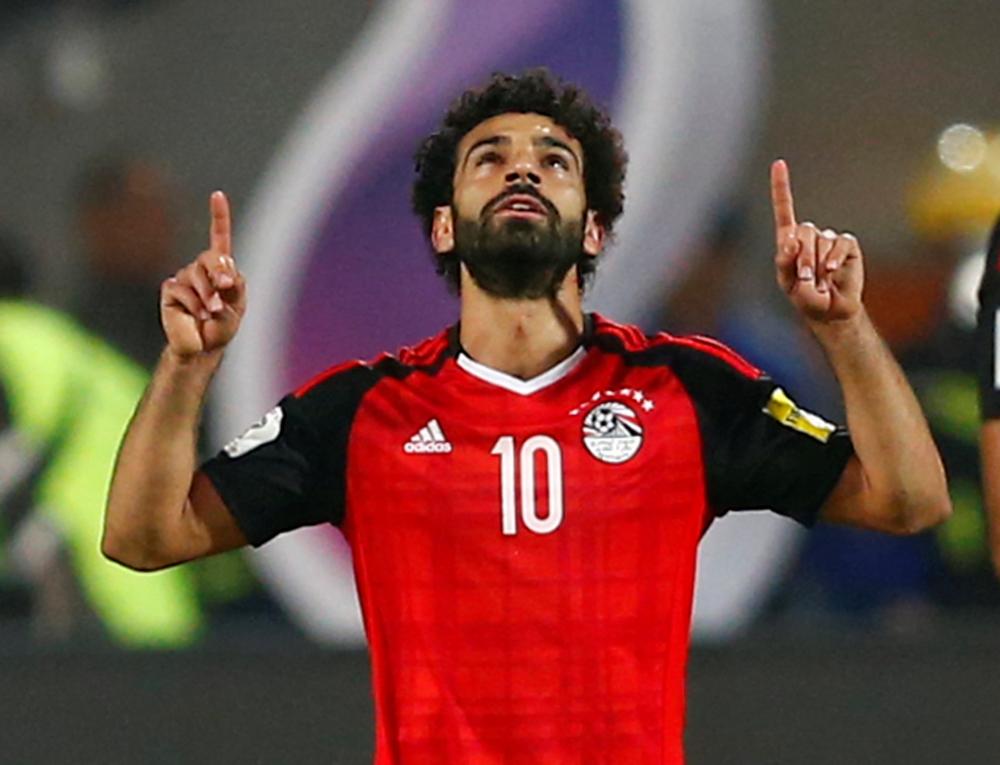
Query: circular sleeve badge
(265, 430)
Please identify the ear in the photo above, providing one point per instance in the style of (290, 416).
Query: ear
(443, 230)
(593, 234)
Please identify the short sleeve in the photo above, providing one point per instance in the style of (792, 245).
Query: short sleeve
(761, 450)
(288, 470)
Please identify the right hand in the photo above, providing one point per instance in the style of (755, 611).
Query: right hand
(201, 306)
(822, 272)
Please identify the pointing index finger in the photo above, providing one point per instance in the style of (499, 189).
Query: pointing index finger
(781, 198)
(220, 237)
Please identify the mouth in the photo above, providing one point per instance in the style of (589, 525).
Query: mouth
(521, 206)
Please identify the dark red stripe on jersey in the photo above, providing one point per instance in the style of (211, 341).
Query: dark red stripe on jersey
(428, 353)
(719, 350)
(634, 341)
(325, 375)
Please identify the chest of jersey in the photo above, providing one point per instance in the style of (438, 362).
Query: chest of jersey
(610, 450)
(507, 543)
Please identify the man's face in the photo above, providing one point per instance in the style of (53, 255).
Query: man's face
(518, 221)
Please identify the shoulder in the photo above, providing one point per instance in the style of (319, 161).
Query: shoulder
(685, 354)
(426, 356)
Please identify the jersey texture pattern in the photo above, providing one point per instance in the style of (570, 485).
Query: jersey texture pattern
(525, 550)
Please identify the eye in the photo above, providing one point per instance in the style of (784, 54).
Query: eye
(488, 158)
(556, 160)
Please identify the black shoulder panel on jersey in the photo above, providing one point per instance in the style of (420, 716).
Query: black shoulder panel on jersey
(296, 474)
(751, 459)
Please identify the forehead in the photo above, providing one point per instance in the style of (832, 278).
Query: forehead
(518, 126)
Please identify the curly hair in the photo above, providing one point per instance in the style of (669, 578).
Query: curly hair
(535, 91)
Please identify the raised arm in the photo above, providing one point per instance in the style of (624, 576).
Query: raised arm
(895, 482)
(160, 511)
(987, 367)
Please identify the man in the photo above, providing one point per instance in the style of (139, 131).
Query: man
(525, 492)
(988, 371)
(65, 398)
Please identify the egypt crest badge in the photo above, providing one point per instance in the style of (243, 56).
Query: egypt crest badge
(612, 431)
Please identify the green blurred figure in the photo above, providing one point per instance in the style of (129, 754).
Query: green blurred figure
(65, 399)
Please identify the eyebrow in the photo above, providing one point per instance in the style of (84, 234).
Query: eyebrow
(497, 140)
(494, 140)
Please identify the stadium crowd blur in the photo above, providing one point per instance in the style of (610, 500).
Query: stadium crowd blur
(70, 375)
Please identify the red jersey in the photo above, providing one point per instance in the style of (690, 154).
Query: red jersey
(525, 550)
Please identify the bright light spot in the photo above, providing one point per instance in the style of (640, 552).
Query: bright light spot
(962, 148)
(77, 67)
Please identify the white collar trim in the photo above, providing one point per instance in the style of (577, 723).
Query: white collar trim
(515, 384)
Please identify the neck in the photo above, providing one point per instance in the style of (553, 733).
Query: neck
(523, 338)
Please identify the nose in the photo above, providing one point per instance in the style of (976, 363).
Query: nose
(523, 169)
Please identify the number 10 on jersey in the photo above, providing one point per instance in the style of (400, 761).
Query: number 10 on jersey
(513, 461)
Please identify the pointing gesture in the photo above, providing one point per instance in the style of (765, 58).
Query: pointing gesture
(202, 304)
(820, 271)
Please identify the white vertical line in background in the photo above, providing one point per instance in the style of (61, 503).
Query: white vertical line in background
(304, 175)
(689, 102)
(650, 116)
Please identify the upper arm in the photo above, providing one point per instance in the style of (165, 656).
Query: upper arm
(204, 526)
(851, 504)
(854, 501)
(211, 527)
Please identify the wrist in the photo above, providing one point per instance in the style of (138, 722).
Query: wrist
(188, 365)
(832, 334)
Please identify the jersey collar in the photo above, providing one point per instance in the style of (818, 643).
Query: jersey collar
(516, 384)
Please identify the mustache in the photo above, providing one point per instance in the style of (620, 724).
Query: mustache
(520, 190)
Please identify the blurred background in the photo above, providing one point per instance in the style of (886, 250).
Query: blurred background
(119, 117)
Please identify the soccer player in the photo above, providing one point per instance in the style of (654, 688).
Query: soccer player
(988, 371)
(524, 493)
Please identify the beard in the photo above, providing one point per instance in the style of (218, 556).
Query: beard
(517, 258)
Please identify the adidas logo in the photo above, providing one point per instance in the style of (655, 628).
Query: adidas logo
(430, 440)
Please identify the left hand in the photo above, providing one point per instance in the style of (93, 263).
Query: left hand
(822, 272)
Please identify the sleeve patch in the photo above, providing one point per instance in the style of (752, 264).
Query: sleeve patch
(785, 411)
(265, 430)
